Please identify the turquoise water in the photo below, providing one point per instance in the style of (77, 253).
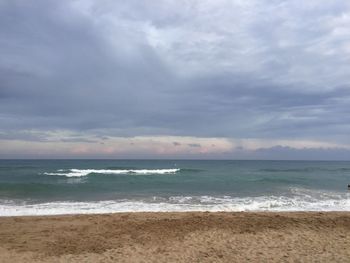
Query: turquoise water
(30, 187)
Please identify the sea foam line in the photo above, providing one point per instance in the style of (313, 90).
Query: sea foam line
(181, 204)
(85, 172)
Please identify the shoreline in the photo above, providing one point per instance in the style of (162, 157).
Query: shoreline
(180, 212)
(177, 237)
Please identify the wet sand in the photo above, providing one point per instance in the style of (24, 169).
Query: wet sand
(177, 237)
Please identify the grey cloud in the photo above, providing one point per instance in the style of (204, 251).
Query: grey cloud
(24, 135)
(194, 145)
(258, 69)
(78, 140)
(289, 153)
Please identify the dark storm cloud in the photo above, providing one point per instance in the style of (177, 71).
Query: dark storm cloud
(258, 69)
(63, 74)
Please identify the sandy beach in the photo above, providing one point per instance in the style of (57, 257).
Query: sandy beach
(177, 237)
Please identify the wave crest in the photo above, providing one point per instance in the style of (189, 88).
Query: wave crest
(85, 172)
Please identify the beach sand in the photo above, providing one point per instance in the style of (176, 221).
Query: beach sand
(177, 237)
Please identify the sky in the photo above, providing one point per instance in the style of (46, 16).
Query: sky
(239, 79)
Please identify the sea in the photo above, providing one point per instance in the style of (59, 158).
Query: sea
(52, 187)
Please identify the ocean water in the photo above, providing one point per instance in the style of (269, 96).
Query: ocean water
(44, 187)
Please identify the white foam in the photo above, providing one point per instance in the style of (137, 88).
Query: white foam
(85, 172)
(336, 202)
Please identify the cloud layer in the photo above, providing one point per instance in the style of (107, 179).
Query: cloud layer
(234, 70)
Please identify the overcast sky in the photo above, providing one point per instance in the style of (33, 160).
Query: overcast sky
(239, 79)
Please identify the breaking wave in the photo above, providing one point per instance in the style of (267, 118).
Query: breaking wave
(85, 172)
(302, 200)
